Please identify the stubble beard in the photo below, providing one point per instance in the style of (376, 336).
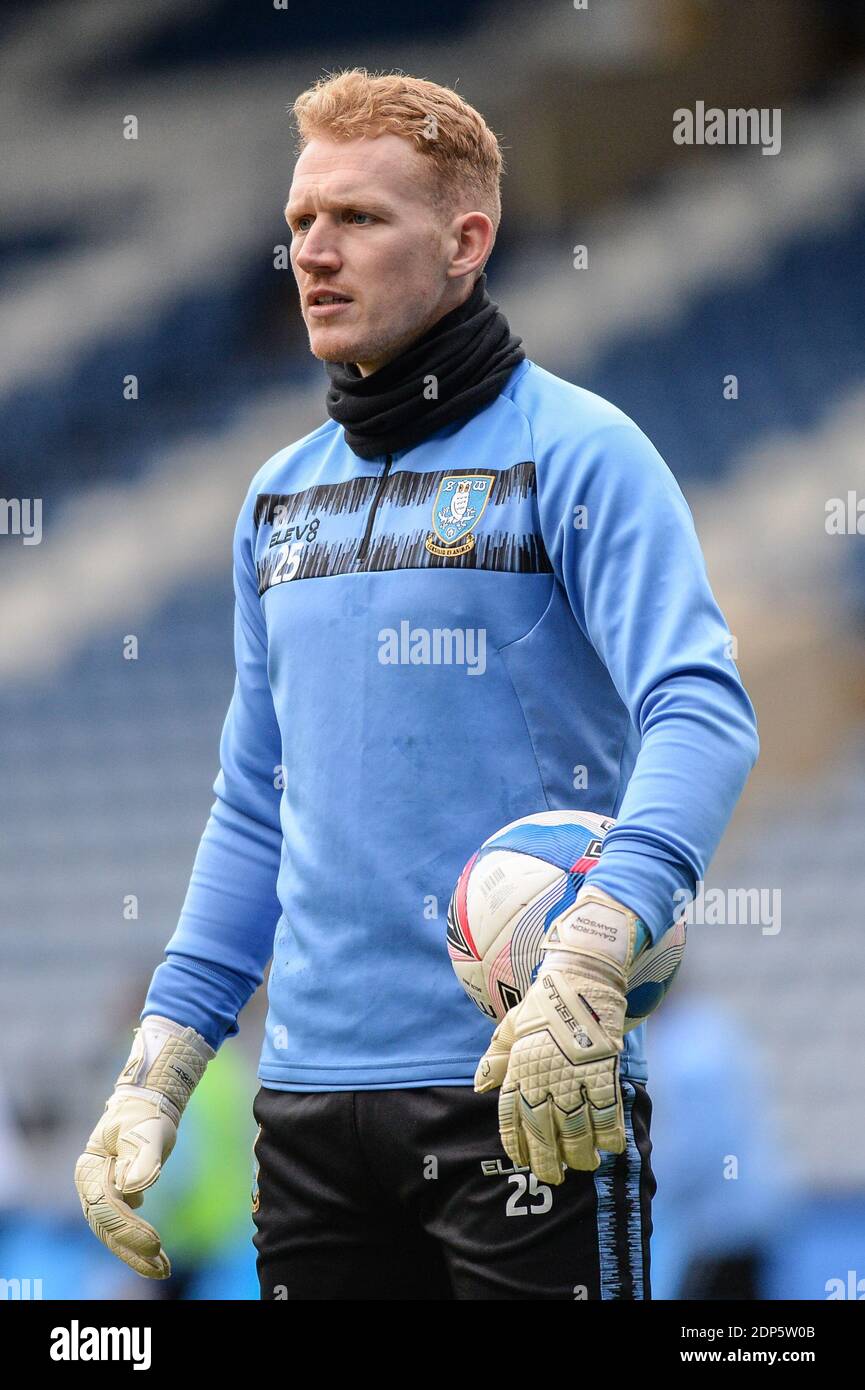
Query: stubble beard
(370, 347)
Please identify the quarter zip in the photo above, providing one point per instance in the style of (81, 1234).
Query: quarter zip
(364, 545)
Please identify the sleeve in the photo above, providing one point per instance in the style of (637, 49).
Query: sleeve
(633, 571)
(224, 938)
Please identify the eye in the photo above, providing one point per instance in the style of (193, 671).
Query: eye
(296, 225)
(368, 215)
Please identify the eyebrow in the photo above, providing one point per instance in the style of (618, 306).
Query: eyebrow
(349, 197)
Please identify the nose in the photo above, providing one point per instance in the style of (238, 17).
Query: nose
(318, 250)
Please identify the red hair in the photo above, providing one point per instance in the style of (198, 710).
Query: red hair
(464, 153)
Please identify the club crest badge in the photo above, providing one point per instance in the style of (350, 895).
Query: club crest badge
(457, 509)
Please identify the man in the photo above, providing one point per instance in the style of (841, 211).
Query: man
(474, 593)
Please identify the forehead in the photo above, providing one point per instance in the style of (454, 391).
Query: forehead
(386, 165)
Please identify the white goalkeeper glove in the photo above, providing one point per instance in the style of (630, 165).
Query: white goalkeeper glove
(134, 1137)
(556, 1053)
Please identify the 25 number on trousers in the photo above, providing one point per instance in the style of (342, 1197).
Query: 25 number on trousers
(538, 1195)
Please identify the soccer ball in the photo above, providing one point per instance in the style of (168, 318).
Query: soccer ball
(507, 897)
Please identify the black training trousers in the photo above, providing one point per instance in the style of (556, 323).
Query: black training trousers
(408, 1194)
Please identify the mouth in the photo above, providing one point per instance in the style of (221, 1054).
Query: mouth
(325, 303)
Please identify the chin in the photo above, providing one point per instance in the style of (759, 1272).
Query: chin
(332, 349)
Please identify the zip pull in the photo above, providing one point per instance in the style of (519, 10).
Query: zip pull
(364, 545)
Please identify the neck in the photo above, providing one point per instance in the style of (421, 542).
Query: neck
(466, 355)
(445, 306)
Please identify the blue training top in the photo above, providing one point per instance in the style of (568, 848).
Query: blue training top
(510, 617)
